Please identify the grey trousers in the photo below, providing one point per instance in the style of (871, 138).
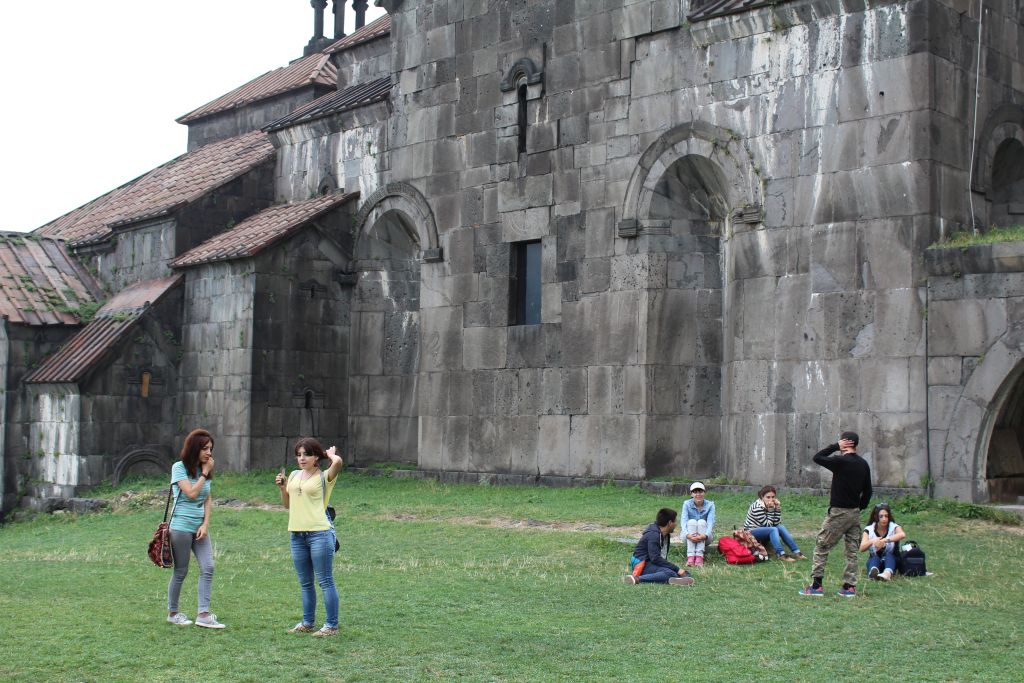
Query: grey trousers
(182, 542)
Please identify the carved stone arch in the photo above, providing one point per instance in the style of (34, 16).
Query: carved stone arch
(407, 200)
(1005, 122)
(153, 456)
(743, 183)
(966, 448)
(523, 72)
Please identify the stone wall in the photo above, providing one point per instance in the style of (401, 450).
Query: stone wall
(56, 459)
(25, 348)
(363, 63)
(300, 343)
(338, 152)
(732, 216)
(976, 371)
(217, 358)
(250, 117)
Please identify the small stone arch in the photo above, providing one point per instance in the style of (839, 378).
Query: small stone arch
(145, 458)
(1005, 122)
(523, 72)
(698, 139)
(406, 200)
(965, 452)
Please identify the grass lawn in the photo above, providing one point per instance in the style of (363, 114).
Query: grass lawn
(485, 583)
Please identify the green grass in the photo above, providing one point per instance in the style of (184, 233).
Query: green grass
(963, 239)
(482, 583)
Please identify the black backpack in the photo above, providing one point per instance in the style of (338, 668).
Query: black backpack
(910, 559)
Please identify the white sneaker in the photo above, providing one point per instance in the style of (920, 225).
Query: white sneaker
(179, 619)
(209, 622)
(886, 575)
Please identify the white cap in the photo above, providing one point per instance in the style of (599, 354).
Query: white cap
(695, 486)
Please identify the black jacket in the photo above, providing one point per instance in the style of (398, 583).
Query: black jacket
(649, 547)
(851, 478)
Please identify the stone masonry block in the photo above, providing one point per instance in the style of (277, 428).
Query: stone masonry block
(484, 347)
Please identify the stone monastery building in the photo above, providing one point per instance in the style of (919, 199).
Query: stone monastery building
(556, 238)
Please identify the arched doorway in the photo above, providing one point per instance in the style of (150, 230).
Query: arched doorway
(1004, 466)
(1007, 193)
(689, 207)
(385, 340)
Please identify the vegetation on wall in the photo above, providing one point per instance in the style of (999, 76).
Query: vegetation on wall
(963, 239)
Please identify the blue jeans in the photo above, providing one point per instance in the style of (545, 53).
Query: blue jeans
(655, 574)
(313, 551)
(776, 535)
(885, 561)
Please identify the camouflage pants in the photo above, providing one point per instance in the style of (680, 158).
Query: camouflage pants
(840, 523)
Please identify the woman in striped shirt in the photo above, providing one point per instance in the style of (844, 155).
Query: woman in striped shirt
(764, 521)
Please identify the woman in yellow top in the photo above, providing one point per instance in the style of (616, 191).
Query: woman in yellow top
(305, 493)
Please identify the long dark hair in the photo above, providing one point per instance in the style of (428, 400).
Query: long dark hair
(312, 447)
(194, 443)
(873, 519)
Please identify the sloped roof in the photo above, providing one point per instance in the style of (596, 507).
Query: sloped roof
(336, 102)
(375, 29)
(719, 8)
(40, 284)
(314, 69)
(257, 232)
(166, 187)
(88, 349)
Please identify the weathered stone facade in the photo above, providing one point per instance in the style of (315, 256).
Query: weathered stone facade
(621, 239)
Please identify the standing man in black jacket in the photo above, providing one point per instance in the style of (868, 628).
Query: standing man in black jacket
(851, 492)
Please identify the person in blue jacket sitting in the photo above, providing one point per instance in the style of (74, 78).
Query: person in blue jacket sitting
(698, 522)
(649, 563)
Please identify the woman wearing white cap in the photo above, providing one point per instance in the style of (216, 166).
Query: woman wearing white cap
(698, 523)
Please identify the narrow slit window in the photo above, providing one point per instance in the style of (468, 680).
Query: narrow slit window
(144, 384)
(526, 283)
(521, 117)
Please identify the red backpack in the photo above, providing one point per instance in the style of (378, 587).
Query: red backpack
(734, 551)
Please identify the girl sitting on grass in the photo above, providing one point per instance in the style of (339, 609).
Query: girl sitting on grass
(306, 493)
(764, 521)
(880, 538)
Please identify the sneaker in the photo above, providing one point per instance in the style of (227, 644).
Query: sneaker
(325, 631)
(886, 575)
(691, 560)
(873, 573)
(683, 579)
(850, 592)
(630, 579)
(799, 555)
(179, 619)
(209, 622)
(817, 591)
(698, 561)
(787, 558)
(301, 628)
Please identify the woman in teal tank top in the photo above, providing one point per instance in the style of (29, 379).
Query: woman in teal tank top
(190, 526)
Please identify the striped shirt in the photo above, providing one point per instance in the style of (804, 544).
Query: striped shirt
(759, 516)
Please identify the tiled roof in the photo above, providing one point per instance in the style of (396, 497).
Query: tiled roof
(179, 181)
(257, 232)
(88, 349)
(335, 102)
(40, 284)
(375, 29)
(310, 70)
(719, 8)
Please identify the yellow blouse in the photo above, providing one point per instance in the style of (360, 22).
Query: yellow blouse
(306, 503)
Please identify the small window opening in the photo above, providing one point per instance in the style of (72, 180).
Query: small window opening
(144, 384)
(521, 117)
(308, 399)
(526, 293)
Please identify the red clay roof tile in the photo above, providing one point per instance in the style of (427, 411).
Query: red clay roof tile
(40, 284)
(179, 181)
(257, 232)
